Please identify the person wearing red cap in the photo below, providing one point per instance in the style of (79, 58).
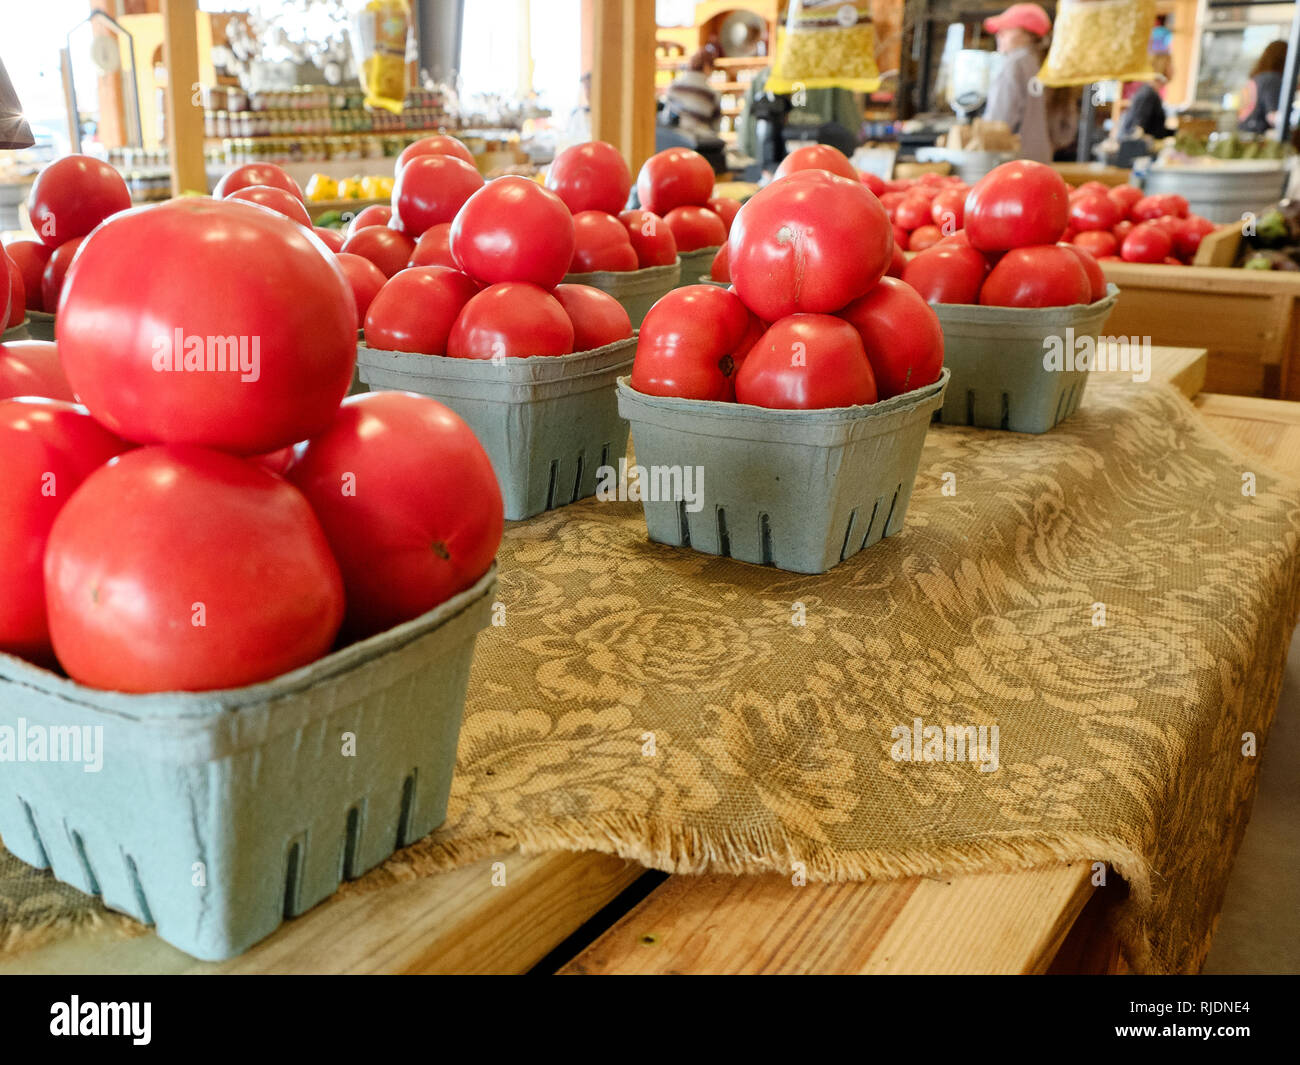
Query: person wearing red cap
(1016, 95)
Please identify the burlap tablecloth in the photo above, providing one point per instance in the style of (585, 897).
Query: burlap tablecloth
(662, 704)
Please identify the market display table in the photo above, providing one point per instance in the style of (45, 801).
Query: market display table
(510, 912)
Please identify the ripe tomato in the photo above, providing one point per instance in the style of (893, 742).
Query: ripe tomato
(426, 518)
(1049, 275)
(653, 241)
(810, 242)
(377, 214)
(719, 269)
(890, 200)
(947, 273)
(514, 230)
(14, 308)
(32, 368)
(227, 285)
(49, 448)
(598, 318)
(601, 242)
(255, 174)
(1089, 187)
(440, 144)
(725, 208)
(591, 177)
(30, 257)
(901, 335)
(1096, 279)
(818, 157)
(331, 238)
(923, 237)
(1097, 243)
(807, 362)
(184, 569)
(364, 278)
(386, 248)
(675, 177)
(1122, 230)
(912, 213)
(274, 199)
(690, 343)
(874, 183)
(429, 190)
(1189, 233)
(1016, 205)
(1146, 243)
(1093, 211)
(897, 262)
(72, 195)
(1149, 208)
(514, 319)
(415, 310)
(56, 269)
(1124, 197)
(902, 239)
(434, 248)
(280, 461)
(948, 210)
(695, 228)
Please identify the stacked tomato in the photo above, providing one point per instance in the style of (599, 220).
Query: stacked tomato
(923, 210)
(809, 322)
(212, 516)
(1121, 223)
(677, 185)
(1008, 254)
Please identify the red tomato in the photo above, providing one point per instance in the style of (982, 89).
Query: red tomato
(14, 309)
(377, 214)
(273, 199)
(875, 184)
(434, 248)
(184, 569)
(901, 238)
(1189, 233)
(514, 319)
(426, 519)
(331, 238)
(56, 269)
(72, 195)
(675, 177)
(364, 278)
(1089, 187)
(818, 157)
(1122, 229)
(690, 343)
(897, 263)
(1124, 197)
(719, 270)
(807, 362)
(901, 335)
(1096, 279)
(1016, 205)
(429, 190)
(1049, 275)
(947, 273)
(226, 284)
(1093, 211)
(598, 318)
(32, 368)
(899, 185)
(912, 213)
(1168, 222)
(890, 200)
(1171, 261)
(924, 237)
(1146, 243)
(695, 228)
(30, 257)
(280, 461)
(601, 242)
(440, 144)
(1097, 243)
(591, 177)
(416, 310)
(49, 448)
(810, 242)
(255, 174)
(514, 230)
(653, 241)
(725, 208)
(1151, 207)
(386, 248)
(948, 210)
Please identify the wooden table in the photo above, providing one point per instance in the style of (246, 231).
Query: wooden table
(592, 913)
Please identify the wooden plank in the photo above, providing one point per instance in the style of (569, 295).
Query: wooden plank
(1263, 427)
(184, 110)
(459, 922)
(639, 104)
(1184, 368)
(990, 923)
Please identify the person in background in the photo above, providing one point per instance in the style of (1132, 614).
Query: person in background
(1260, 95)
(1016, 97)
(1146, 108)
(760, 131)
(692, 104)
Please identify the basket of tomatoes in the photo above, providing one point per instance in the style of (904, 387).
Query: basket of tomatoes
(782, 422)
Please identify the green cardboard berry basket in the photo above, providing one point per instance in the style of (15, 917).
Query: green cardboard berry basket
(636, 290)
(36, 326)
(798, 490)
(696, 264)
(547, 422)
(215, 816)
(996, 354)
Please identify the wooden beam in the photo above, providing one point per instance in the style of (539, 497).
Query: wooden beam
(622, 33)
(184, 107)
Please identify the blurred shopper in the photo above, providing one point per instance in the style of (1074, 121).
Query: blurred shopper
(1260, 95)
(1146, 107)
(692, 104)
(1016, 96)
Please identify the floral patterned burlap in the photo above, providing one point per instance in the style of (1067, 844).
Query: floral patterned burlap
(666, 706)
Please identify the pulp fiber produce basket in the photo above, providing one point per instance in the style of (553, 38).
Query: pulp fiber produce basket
(799, 490)
(40, 325)
(636, 290)
(996, 357)
(217, 815)
(547, 422)
(697, 264)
